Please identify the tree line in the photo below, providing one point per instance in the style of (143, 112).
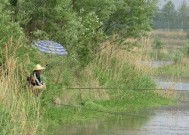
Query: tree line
(80, 25)
(168, 17)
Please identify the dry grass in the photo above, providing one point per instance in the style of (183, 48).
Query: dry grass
(172, 41)
(134, 56)
(170, 33)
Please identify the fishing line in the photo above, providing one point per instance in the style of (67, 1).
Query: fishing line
(142, 89)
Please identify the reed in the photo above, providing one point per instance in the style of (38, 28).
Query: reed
(120, 67)
(20, 110)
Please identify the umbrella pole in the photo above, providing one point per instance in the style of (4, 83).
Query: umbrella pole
(60, 73)
(58, 76)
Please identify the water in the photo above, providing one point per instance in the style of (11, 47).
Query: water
(174, 83)
(166, 121)
(157, 64)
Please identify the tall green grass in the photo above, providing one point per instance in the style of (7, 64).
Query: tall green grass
(20, 110)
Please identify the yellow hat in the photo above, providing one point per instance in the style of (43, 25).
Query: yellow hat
(38, 67)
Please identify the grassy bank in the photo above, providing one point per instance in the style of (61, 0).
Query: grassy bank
(117, 69)
(112, 68)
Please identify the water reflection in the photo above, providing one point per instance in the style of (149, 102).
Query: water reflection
(112, 126)
(166, 121)
(157, 64)
(166, 84)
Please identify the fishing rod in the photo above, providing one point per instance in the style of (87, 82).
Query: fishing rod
(142, 89)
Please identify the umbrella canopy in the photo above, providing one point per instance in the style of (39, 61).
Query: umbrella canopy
(52, 47)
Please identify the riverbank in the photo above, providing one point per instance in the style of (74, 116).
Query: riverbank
(126, 102)
(122, 70)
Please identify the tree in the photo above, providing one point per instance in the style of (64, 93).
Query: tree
(183, 13)
(169, 12)
(8, 28)
(38, 15)
(158, 19)
(131, 18)
(82, 26)
(102, 8)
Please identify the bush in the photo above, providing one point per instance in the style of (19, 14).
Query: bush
(158, 44)
(177, 56)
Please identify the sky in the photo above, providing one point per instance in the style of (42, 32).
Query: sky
(176, 2)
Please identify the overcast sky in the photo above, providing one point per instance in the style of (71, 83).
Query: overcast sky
(176, 2)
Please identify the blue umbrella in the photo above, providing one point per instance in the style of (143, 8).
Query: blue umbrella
(52, 47)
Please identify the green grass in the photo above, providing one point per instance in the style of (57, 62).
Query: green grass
(123, 101)
(132, 100)
(177, 70)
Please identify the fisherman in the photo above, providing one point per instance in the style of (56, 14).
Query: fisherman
(35, 80)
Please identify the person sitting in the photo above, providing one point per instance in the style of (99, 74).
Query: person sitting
(35, 81)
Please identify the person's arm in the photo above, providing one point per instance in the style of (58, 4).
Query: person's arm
(38, 83)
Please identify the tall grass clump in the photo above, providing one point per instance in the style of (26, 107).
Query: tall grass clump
(20, 111)
(121, 69)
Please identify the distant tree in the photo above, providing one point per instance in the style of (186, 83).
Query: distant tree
(159, 19)
(183, 15)
(169, 13)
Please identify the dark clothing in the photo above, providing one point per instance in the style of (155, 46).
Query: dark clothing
(35, 79)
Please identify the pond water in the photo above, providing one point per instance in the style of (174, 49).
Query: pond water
(165, 121)
(157, 64)
(166, 82)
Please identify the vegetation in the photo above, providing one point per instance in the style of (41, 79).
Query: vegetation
(93, 32)
(21, 112)
(81, 27)
(175, 49)
(168, 17)
(115, 71)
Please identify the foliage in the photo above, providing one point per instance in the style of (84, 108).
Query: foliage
(131, 18)
(183, 15)
(177, 56)
(81, 26)
(158, 44)
(9, 30)
(170, 18)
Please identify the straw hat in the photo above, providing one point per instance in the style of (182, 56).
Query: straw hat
(38, 67)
